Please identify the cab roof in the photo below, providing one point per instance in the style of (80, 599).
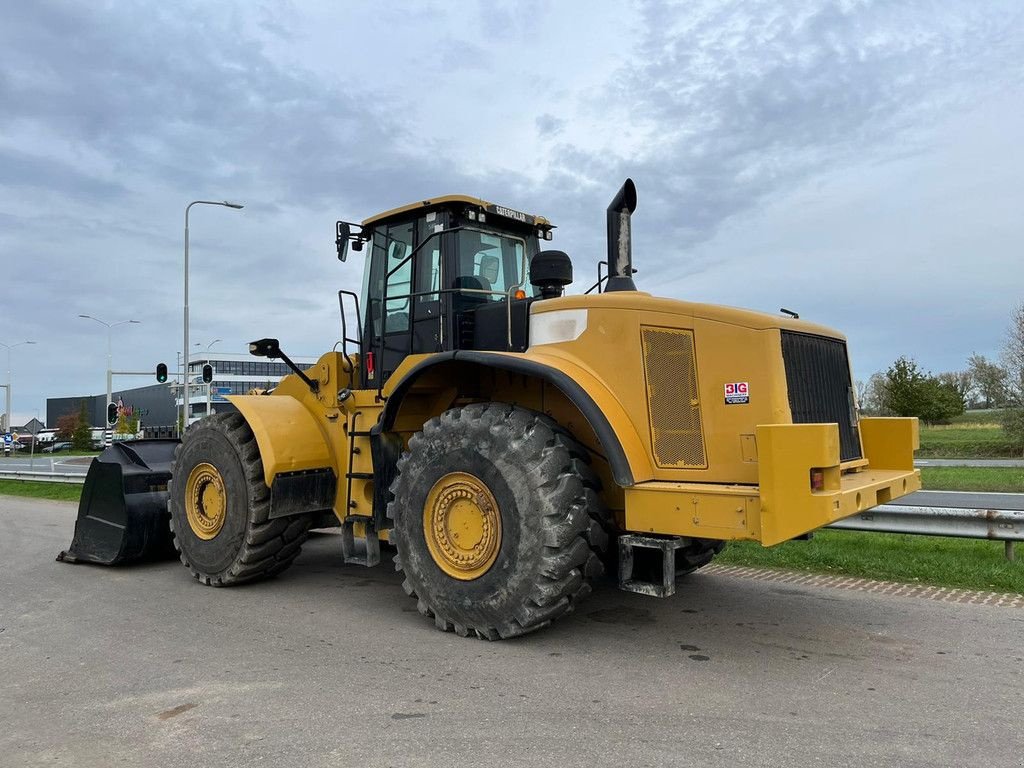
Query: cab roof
(474, 202)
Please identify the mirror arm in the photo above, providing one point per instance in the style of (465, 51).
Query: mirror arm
(313, 385)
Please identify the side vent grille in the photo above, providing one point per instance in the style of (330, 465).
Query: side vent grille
(672, 402)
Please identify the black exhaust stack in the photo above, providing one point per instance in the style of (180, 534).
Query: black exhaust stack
(620, 246)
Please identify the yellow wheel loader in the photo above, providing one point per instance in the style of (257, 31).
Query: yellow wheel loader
(507, 443)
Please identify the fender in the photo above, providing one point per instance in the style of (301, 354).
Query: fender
(620, 443)
(298, 463)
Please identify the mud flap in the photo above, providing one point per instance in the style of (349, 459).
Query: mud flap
(123, 515)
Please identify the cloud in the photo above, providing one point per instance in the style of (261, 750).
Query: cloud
(727, 103)
(738, 120)
(549, 126)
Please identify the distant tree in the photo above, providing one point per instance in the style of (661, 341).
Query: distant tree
(903, 395)
(960, 382)
(81, 438)
(1013, 361)
(127, 423)
(909, 391)
(940, 401)
(990, 381)
(872, 399)
(66, 426)
(1013, 358)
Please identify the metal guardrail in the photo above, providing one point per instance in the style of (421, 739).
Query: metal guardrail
(992, 524)
(42, 477)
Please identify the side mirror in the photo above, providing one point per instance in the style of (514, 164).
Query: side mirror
(344, 234)
(265, 348)
(398, 249)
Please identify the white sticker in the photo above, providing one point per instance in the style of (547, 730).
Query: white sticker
(737, 393)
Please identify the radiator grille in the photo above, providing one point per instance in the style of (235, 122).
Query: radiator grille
(672, 403)
(820, 390)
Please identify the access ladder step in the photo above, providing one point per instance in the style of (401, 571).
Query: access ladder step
(359, 475)
(667, 545)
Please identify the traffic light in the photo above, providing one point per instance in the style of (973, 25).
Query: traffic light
(161, 372)
(207, 373)
(111, 413)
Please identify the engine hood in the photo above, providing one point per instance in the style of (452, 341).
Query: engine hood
(639, 301)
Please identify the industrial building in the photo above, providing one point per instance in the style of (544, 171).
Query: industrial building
(158, 406)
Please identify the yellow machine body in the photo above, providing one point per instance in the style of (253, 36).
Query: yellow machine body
(652, 373)
(509, 441)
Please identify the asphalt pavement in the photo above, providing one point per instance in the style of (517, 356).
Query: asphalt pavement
(969, 462)
(963, 500)
(331, 665)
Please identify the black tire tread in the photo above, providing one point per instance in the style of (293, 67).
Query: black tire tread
(575, 541)
(269, 546)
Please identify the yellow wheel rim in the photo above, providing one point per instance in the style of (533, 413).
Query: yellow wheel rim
(205, 501)
(462, 526)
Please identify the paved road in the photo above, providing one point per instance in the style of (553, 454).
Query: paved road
(969, 462)
(963, 500)
(332, 666)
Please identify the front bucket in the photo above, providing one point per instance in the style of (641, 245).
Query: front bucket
(122, 515)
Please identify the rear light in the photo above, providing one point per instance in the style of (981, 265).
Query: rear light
(817, 480)
(369, 364)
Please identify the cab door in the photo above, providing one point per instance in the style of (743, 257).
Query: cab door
(404, 312)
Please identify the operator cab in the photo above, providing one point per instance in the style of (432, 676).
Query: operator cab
(440, 275)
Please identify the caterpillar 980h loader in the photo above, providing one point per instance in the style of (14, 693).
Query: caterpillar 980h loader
(508, 442)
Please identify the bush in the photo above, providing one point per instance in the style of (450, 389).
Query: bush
(908, 391)
(1013, 427)
(81, 438)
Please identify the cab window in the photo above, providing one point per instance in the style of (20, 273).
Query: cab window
(490, 261)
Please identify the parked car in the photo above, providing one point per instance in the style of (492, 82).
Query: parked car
(57, 447)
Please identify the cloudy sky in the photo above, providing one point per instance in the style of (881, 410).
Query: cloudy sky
(860, 162)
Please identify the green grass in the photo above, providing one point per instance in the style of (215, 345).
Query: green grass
(935, 560)
(965, 441)
(56, 491)
(999, 479)
(981, 416)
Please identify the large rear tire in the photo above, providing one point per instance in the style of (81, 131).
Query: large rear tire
(498, 521)
(220, 506)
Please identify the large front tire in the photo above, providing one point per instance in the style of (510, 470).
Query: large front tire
(220, 506)
(519, 491)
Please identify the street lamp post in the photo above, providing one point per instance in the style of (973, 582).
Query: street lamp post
(110, 366)
(215, 341)
(226, 204)
(7, 410)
